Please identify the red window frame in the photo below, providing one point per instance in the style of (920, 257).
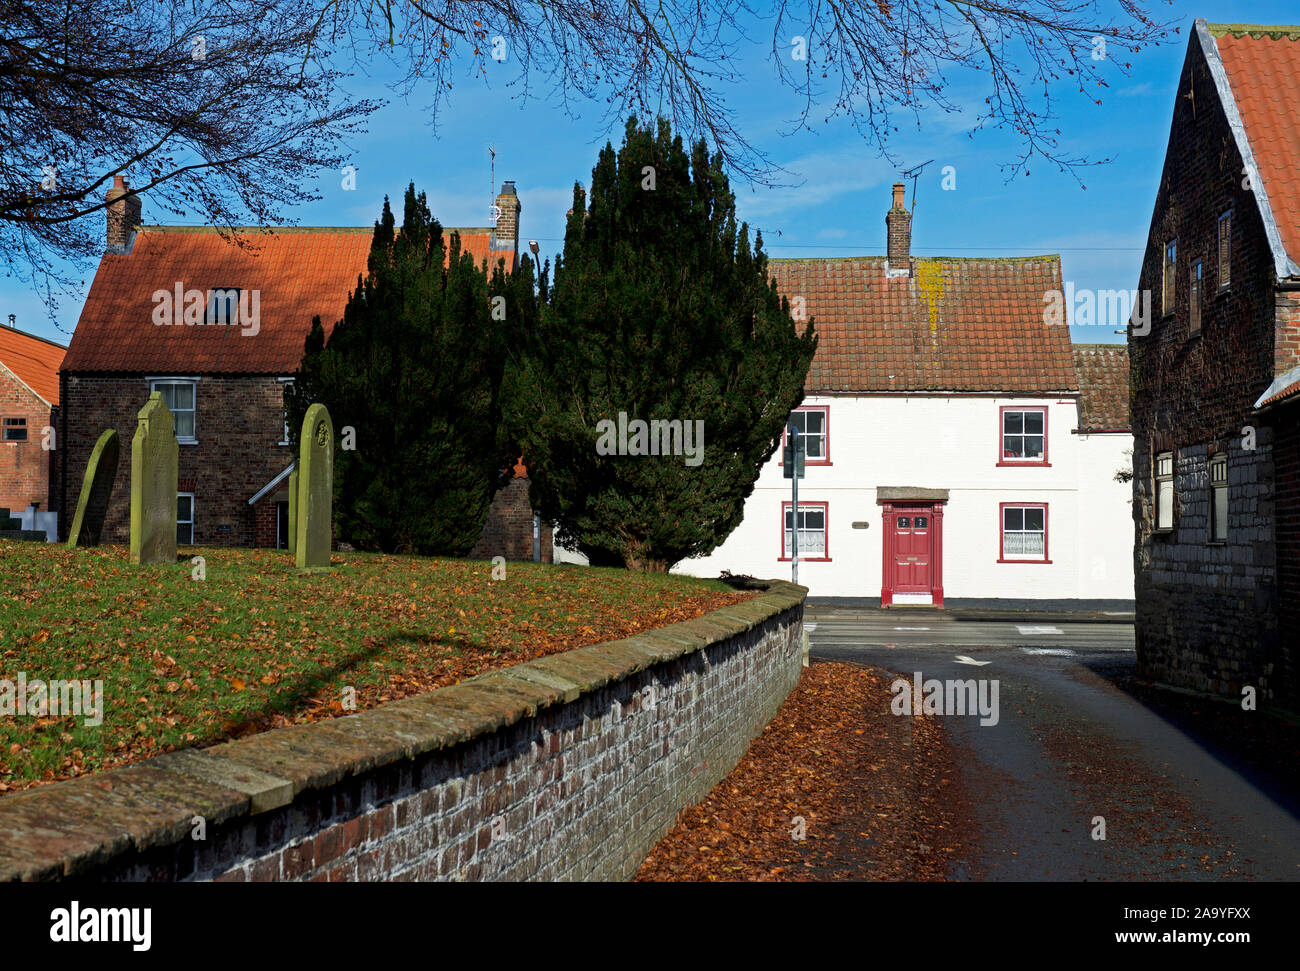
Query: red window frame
(826, 519)
(1002, 508)
(826, 425)
(1002, 425)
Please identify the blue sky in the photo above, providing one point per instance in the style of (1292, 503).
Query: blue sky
(838, 207)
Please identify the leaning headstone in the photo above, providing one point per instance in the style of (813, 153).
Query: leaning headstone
(315, 513)
(293, 510)
(154, 470)
(96, 487)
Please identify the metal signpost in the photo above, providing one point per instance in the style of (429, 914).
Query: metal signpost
(793, 470)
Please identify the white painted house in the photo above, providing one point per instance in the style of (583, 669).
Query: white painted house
(959, 446)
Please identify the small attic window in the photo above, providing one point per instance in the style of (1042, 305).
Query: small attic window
(223, 306)
(15, 429)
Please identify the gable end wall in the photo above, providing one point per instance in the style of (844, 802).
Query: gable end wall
(1206, 613)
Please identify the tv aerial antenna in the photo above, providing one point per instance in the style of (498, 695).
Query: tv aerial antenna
(494, 211)
(914, 173)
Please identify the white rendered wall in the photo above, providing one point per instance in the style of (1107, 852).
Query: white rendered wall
(1106, 528)
(948, 443)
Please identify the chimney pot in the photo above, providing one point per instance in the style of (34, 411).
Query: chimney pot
(898, 223)
(122, 216)
(506, 234)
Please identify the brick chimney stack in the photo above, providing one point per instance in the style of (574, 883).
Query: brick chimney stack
(123, 216)
(899, 223)
(506, 234)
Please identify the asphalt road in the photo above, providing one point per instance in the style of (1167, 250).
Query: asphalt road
(1072, 744)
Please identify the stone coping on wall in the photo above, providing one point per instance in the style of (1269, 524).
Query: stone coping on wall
(70, 828)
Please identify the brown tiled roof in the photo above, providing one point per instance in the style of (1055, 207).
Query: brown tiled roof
(1103, 386)
(953, 325)
(300, 272)
(1263, 68)
(34, 359)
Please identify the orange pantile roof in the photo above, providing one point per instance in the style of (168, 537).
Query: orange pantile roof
(1103, 387)
(973, 325)
(34, 359)
(1262, 65)
(300, 272)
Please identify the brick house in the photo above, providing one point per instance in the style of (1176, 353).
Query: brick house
(223, 384)
(959, 447)
(29, 403)
(1215, 375)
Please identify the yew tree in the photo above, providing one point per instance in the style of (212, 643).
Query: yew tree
(660, 311)
(414, 369)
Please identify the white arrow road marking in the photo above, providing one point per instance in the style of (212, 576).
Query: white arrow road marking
(1026, 631)
(1054, 651)
(911, 628)
(963, 659)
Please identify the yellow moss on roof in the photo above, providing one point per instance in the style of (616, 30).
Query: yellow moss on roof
(1275, 31)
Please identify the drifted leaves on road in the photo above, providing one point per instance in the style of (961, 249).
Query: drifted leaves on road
(877, 793)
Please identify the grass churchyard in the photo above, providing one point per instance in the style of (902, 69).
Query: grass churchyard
(255, 644)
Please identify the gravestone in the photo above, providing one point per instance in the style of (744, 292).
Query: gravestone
(96, 487)
(154, 471)
(293, 510)
(315, 513)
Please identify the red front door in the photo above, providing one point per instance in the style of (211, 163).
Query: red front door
(911, 551)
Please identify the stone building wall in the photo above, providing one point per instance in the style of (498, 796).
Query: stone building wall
(1206, 613)
(239, 424)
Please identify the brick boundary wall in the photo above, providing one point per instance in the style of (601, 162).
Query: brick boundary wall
(570, 767)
